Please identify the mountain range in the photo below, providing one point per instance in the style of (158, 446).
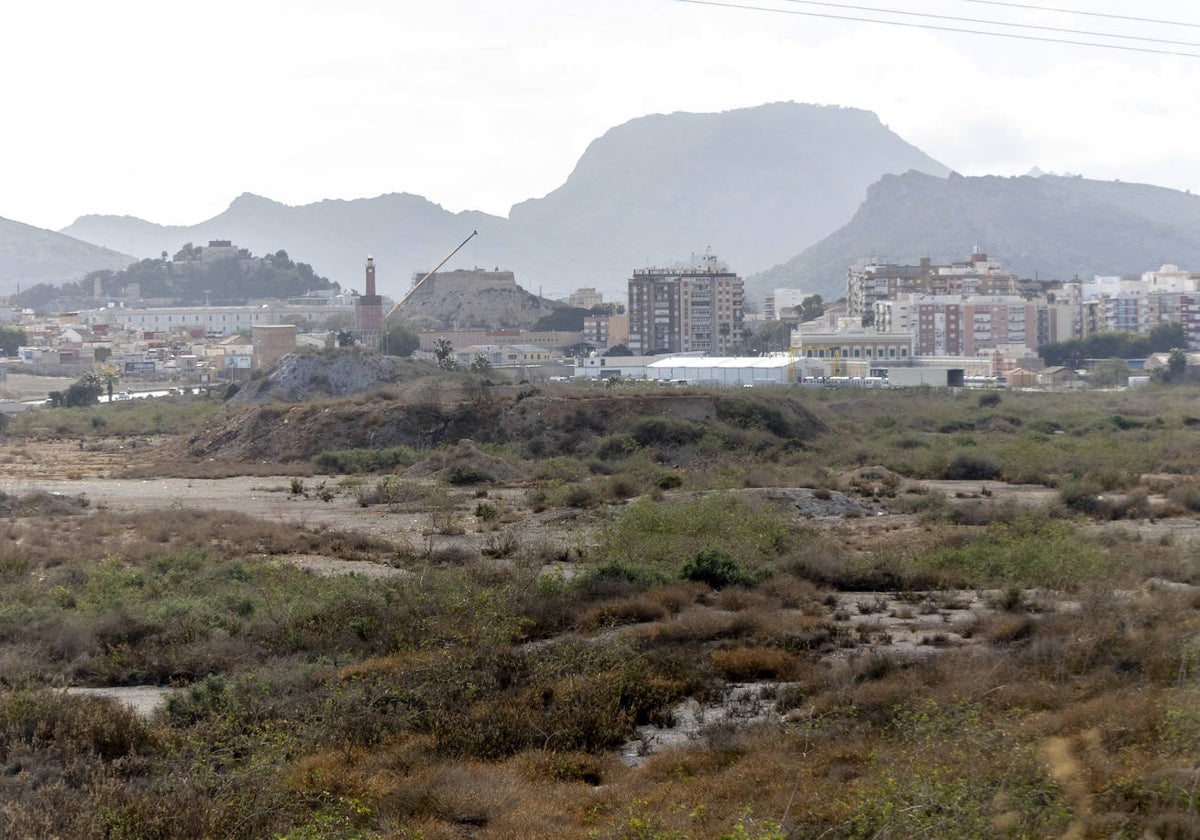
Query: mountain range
(758, 185)
(1047, 226)
(31, 255)
(785, 194)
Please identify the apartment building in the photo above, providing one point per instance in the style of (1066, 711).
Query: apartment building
(698, 309)
(948, 325)
(873, 281)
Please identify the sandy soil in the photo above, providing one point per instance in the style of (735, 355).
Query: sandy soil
(24, 386)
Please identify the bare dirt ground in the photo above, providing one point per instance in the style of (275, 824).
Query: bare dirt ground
(23, 386)
(904, 625)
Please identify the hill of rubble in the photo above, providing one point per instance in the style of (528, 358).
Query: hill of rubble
(426, 412)
(335, 373)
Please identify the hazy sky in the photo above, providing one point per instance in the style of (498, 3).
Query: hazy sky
(169, 110)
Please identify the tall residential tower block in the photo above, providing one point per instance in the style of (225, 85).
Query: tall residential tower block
(686, 310)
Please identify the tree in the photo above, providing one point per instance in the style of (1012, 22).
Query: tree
(618, 350)
(188, 253)
(399, 340)
(345, 338)
(770, 337)
(481, 365)
(1165, 337)
(444, 350)
(811, 307)
(86, 390)
(1176, 365)
(11, 338)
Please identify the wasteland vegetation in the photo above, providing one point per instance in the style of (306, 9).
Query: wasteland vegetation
(504, 672)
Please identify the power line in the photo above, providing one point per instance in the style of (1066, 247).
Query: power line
(1089, 14)
(936, 28)
(1066, 30)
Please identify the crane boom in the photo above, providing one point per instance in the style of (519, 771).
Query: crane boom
(417, 285)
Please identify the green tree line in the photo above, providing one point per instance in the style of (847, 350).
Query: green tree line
(1114, 345)
(186, 280)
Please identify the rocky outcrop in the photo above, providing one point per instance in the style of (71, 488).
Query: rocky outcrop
(474, 299)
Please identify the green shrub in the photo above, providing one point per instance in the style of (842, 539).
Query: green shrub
(461, 474)
(715, 568)
(1031, 551)
(755, 414)
(667, 431)
(616, 447)
(560, 468)
(668, 481)
(1081, 496)
(668, 533)
(351, 461)
(970, 467)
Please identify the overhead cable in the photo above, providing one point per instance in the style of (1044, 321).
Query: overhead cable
(1133, 18)
(1064, 30)
(936, 28)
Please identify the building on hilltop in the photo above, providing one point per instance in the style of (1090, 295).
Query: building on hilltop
(698, 309)
(219, 249)
(586, 298)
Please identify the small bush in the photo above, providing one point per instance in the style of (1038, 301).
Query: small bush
(669, 481)
(1081, 496)
(748, 664)
(351, 461)
(463, 474)
(716, 568)
(616, 447)
(632, 610)
(989, 399)
(971, 467)
(666, 431)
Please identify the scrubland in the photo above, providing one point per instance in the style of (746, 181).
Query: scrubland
(964, 617)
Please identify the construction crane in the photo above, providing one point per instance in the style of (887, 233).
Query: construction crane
(417, 285)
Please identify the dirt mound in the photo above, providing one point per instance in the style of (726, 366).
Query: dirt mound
(334, 373)
(428, 412)
(464, 463)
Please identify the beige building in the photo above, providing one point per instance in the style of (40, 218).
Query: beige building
(851, 352)
(271, 342)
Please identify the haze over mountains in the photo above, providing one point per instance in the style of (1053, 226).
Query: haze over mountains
(786, 194)
(1048, 226)
(30, 255)
(758, 185)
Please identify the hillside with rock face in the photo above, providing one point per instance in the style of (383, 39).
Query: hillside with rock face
(473, 300)
(1050, 226)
